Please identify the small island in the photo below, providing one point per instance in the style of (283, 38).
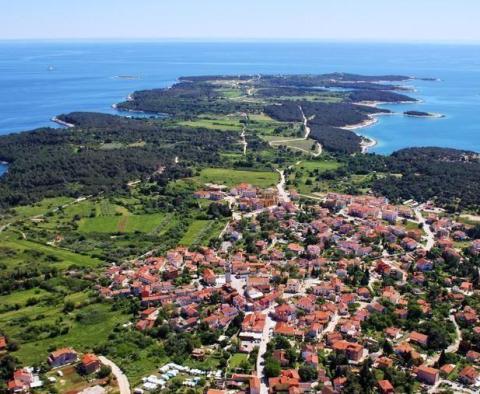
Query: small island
(126, 77)
(421, 114)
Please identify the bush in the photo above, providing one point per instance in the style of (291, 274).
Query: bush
(104, 372)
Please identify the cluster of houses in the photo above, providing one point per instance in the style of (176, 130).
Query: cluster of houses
(26, 379)
(246, 196)
(297, 279)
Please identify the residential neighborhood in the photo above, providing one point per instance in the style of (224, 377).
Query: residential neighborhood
(315, 298)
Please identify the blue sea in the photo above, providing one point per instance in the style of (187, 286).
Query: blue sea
(39, 80)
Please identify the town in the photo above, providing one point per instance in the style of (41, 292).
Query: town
(304, 297)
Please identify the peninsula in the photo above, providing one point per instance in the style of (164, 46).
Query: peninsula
(245, 242)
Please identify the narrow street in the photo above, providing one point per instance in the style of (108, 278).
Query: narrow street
(453, 348)
(430, 236)
(282, 193)
(266, 336)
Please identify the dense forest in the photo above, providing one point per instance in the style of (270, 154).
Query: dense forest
(335, 139)
(195, 95)
(322, 114)
(325, 120)
(382, 96)
(185, 99)
(101, 154)
(450, 177)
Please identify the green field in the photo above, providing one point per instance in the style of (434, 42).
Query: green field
(42, 207)
(230, 93)
(201, 231)
(84, 333)
(237, 359)
(221, 123)
(229, 177)
(321, 165)
(304, 175)
(306, 146)
(21, 297)
(261, 118)
(122, 223)
(62, 258)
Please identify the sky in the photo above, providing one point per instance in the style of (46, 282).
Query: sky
(345, 20)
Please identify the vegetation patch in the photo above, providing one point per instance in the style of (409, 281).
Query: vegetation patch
(229, 177)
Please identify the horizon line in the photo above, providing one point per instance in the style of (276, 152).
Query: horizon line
(244, 39)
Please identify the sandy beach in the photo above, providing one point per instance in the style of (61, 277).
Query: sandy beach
(367, 142)
(366, 123)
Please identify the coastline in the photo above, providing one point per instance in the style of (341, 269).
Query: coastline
(366, 123)
(375, 104)
(367, 143)
(62, 123)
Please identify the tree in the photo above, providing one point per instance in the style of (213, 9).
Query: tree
(272, 368)
(68, 307)
(8, 364)
(366, 377)
(441, 359)
(307, 373)
(387, 347)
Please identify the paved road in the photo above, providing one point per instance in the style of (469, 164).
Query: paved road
(269, 324)
(426, 228)
(453, 348)
(122, 380)
(282, 193)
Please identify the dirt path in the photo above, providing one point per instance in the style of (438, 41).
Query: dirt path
(244, 130)
(305, 123)
(318, 146)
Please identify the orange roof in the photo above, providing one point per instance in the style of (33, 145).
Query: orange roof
(469, 372)
(418, 337)
(447, 368)
(89, 358)
(427, 370)
(284, 329)
(385, 385)
(60, 352)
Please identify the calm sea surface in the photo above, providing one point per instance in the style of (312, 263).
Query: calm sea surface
(39, 80)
